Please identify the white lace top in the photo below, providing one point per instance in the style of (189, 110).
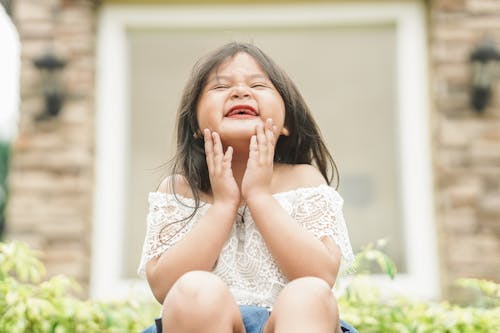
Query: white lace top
(245, 263)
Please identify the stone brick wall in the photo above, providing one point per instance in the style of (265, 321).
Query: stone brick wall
(466, 144)
(51, 179)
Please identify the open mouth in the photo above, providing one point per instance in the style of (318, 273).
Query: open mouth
(242, 111)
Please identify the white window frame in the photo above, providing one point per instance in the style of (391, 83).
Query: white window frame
(112, 119)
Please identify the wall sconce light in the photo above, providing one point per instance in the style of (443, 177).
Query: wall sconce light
(484, 60)
(50, 67)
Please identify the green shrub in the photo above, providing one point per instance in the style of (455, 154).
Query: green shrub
(487, 293)
(26, 305)
(364, 306)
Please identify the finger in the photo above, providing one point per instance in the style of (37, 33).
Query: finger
(275, 131)
(270, 139)
(209, 149)
(226, 162)
(254, 148)
(269, 131)
(218, 153)
(262, 143)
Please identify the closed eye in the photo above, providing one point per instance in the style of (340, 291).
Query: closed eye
(259, 85)
(220, 87)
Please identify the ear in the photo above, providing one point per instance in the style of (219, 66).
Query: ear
(284, 131)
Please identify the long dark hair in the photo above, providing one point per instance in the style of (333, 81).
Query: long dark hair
(304, 145)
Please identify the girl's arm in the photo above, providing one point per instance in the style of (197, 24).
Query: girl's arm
(297, 252)
(198, 250)
(201, 246)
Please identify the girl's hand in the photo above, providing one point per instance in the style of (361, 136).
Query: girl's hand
(224, 187)
(259, 172)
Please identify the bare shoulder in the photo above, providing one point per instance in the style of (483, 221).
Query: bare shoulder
(178, 185)
(175, 184)
(293, 176)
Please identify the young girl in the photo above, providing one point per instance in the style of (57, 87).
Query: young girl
(246, 235)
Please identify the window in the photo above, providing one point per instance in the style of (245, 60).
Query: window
(362, 76)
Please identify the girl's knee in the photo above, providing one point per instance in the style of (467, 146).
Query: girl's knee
(309, 292)
(305, 303)
(196, 291)
(198, 300)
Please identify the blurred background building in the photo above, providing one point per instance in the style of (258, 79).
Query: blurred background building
(389, 82)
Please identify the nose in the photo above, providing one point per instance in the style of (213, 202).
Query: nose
(240, 91)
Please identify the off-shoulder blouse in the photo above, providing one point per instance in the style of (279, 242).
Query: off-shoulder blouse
(245, 264)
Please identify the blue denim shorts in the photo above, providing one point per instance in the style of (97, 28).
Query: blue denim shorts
(254, 319)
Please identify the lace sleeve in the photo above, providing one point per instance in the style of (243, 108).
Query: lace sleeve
(168, 221)
(319, 210)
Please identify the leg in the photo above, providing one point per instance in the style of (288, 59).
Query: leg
(200, 302)
(305, 305)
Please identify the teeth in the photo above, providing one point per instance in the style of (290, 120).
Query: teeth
(243, 111)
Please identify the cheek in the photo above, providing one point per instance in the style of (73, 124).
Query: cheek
(203, 111)
(206, 119)
(207, 104)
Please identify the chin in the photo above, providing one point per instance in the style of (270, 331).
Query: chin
(229, 139)
(239, 130)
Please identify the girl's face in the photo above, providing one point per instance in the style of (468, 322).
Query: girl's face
(239, 95)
